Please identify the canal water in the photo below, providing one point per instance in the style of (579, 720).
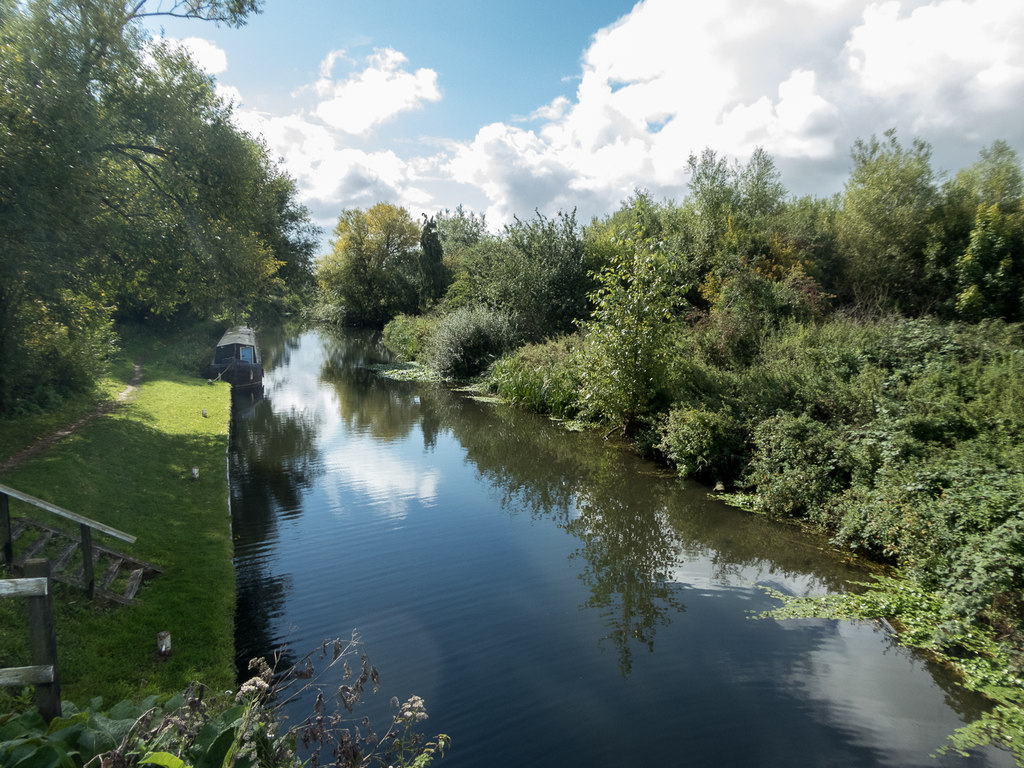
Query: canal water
(555, 600)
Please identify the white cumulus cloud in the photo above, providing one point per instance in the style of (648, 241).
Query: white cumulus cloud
(365, 99)
(208, 55)
(946, 62)
(801, 78)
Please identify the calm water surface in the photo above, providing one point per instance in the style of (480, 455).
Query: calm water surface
(555, 600)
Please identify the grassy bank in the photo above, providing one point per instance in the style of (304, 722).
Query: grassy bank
(132, 470)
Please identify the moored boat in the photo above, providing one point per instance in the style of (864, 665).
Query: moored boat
(237, 358)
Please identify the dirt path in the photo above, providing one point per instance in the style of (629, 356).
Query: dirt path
(46, 441)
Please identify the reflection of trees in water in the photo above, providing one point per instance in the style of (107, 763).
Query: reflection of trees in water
(629, 553)
(260, 600)
(635, 523)
(277, 345)
(273, 459)
(387, 410)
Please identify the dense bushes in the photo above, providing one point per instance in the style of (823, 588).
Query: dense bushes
(541, 377)
(468, 340)
(898, 437)
(409, 335)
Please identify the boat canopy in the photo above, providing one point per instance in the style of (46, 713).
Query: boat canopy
(238, 335)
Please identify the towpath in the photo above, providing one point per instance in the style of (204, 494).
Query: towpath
(46, 441)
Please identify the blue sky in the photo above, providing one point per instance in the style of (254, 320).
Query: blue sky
(511, 107)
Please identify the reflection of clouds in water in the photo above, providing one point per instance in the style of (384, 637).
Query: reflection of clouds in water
(298, 392)
(703, 571)
(876, 697)
(371, 470)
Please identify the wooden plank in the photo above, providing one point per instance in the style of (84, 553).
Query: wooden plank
(37, 546)
(134, 581)
(23, 587)
(6, 537)
(88, 561)
(111, 573)
(43, 642)
(21, 525)
(61, 512)
(15, 677)
(114, 597)
(65, 555)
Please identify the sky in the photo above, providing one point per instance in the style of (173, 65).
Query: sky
(510, 108)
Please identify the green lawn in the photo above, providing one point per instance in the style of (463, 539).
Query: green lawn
(132, 470)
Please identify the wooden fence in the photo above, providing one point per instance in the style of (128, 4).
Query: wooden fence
(43, 674)
(86, 527)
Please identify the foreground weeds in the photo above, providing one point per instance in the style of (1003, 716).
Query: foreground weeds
(203, 727)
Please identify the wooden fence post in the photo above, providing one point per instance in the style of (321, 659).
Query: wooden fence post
(88, 577)
(43, 638)
(6, 542)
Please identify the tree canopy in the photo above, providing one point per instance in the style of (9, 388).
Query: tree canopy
(125, 190)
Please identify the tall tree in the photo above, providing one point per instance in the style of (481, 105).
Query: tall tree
(372, 267)
(433, 275)
(124, 187)
(887, 209)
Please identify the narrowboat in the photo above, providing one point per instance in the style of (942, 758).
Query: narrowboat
(237, 359)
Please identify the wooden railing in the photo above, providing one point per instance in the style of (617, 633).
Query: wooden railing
(43, 638)
(86, 527)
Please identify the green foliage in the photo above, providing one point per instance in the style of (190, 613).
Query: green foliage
(466, 341)
(625, 342)
(990, 277)
(458, 230)
(408, 336)
(433, 275)
(541, 377)
(746, 306)
(534, 273)
(887, 209)
(125, 190)
(706, 444)
(371, 271)
(798, 463)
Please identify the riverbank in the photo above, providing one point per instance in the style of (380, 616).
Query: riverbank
(898, 439)
(131, 468)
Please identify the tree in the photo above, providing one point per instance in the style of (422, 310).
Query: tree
(433, 275)
(372, 268)
(990, 275)
(887, 208)
(235, 13)
(548, 281)
(625, 344)
(535, 272)
(124, 189)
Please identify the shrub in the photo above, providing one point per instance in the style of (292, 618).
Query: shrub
(798, 463)
(705, 444)
(936, 516)
(468, 340)
(408, 335)
(540, 377)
